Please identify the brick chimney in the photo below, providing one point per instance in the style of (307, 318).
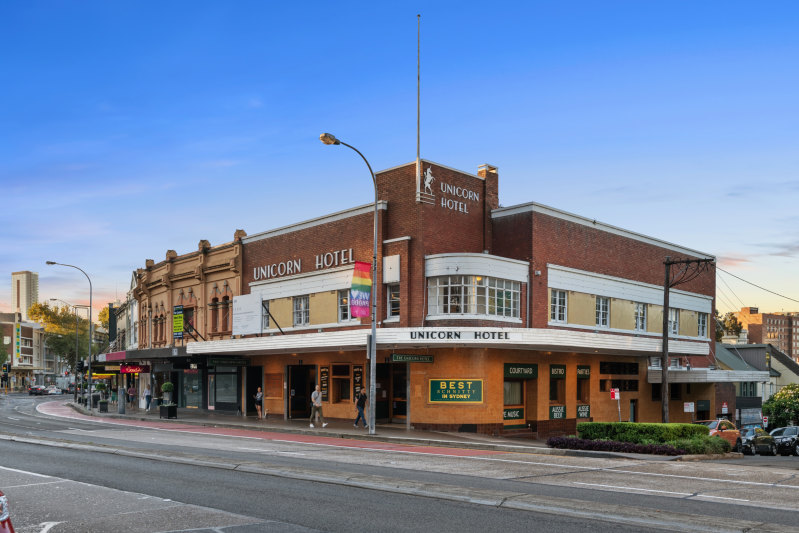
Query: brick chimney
(490, 201)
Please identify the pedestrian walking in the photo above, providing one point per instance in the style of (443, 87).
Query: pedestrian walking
(360, 404)
(131, 394)
(316, 408)
(148, 397)
(259, 400)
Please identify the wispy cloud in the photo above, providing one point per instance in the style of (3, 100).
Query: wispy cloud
(729, 261)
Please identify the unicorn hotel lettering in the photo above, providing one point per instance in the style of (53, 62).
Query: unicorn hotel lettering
(540, 311)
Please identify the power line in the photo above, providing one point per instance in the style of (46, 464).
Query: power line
(758, 286)
(732, 291)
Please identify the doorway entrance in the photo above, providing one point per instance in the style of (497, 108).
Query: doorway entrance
(255, 379)
(301, 380)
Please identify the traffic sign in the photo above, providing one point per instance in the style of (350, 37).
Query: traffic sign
(765, 421)
(614, 394)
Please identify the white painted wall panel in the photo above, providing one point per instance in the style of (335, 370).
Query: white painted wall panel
(476, 265)
(330, 280)
(592, 283)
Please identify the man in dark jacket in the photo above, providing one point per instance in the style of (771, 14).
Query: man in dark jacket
(360, 404)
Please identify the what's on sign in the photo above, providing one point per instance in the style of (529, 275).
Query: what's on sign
(583, 411)
(513, 414)
(557, 412)
(134, 369)
(456, 391)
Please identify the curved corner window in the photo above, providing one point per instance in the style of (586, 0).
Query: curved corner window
(473, 295)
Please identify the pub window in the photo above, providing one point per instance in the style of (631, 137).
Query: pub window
(640, 316)
(188, 319)
(613, 367)
(674, 321)
(473, 295)
(393, 305)
(513, 392)
(557, 307)
(344, 305)
(224, 318)
(301, 311)
(557, 390)
(340, 381)
(583, 390)
(214, 305)
(602, 312)
(656, 392)
(675, 391)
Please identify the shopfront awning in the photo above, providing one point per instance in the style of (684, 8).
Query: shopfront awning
(543, 339)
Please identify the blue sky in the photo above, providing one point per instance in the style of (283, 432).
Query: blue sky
(131, 128)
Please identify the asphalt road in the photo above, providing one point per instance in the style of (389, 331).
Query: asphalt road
(326, 485)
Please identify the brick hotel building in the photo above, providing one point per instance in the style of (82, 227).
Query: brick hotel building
(490, 319)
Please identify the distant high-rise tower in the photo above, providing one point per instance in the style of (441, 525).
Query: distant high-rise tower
(24, 291)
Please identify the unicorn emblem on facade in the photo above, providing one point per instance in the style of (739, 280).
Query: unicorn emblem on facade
(428, 181)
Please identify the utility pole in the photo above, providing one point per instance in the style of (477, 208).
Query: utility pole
(685, 275)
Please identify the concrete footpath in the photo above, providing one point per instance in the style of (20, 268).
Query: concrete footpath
(393, 433)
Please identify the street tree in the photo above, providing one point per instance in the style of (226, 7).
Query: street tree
(727, 325)
(782, 409)
(3, 353)
(59, 331)
(103, 317)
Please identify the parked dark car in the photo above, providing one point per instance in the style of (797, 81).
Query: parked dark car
(787, 440)
(756, 440)
(37, 390)
(5, 518)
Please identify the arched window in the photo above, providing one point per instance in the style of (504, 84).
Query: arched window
(215, 314)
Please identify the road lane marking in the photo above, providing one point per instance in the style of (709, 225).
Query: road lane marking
(721, 498)
(33, 484)
(633, 488)
(23, 472)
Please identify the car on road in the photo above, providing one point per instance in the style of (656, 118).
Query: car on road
(756, 440)
(787, 439)
(751, 425)
(5, 518)
(724, 429)
(52, 389)
(36, 390)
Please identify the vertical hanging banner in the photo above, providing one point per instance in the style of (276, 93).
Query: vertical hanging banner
(361, 289)
(177, 322)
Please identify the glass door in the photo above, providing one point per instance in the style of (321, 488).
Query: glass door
(399, 391)
(211, 391)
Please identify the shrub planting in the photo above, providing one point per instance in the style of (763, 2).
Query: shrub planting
(638, 433)
(573, 443)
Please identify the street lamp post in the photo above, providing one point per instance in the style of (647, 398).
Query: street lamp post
(329, 139)
(77, 321)
(91, 327)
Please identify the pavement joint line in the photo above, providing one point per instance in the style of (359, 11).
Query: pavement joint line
(493, 498)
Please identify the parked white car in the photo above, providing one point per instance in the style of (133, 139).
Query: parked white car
(52, 389)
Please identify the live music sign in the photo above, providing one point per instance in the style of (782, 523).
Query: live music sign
(134, 369)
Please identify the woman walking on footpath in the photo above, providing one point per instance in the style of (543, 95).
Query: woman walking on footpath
(360, 403)
(259, 400)
(148, 397)
(316, 407)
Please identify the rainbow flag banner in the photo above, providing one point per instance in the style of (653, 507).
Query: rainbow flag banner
(361, 289)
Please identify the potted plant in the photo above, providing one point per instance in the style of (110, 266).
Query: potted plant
(167, 408)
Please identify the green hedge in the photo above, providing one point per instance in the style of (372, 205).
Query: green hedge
(638, 433)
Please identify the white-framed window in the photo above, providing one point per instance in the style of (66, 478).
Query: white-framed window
(640, 316)
(344, 305)
(264, 315)
(702, 325)
(557, 306)
(602, 312)
(302, 313)
(473, 295)
(674, 321)
(393, 303)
